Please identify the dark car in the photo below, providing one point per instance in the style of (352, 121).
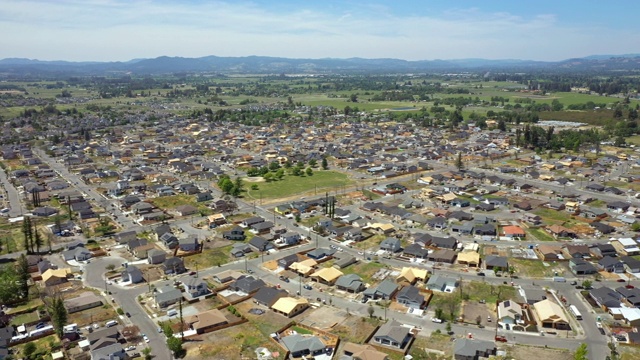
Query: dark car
(128, 314)
(192, 273)
(621, 280)
(481, 274)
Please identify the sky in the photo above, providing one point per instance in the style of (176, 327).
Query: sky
(116, 30)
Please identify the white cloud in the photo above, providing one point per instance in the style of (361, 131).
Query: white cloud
(118, 30)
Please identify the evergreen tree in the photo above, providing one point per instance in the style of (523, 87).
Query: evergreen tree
(22, 269)
(459, 164)
(58, 314)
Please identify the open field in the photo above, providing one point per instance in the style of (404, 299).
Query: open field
(209, 258)
(533, 268)
(320, 182)
(534, 352)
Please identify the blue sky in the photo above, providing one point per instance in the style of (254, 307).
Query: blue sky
(116, 30)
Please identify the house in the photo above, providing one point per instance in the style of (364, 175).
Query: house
(206, 321)
(186, 210)
(195, 287)
(630, 296)
(410, 275)
(611, 264)
(135, 243)
(443, 256)
(485, 230)
(169, 240)
(354, 351)
(631, 264)
(53, 277)
(132, 274)
(173, 265)
(618, 206)
(189, 244)
(549, 252)
(44, 211)
(442, 283)
(605, 297)
(577, 251)
(327, 276)
(85, 301)
(141, 251)
(78, 254)
(251, 221)
(509, 312)
(260, 244)
(290, 306)
(125, 236)
(385, 290)
(626, 246)
(392, 334)
(581, 267)
(469, 258)
(240, 250)
(473, 349)
(167, 295)
(108, 352)
(303, 346)
(320, 253)
(631, 317)
(290, 238)
(236, 233)
(532, 296)
(304, 267)
(410, 296)
(602, 228)
(602, 250)
(532, 219)
(156, 256)
(416, 251)
(391, 244)
(247, 284)
(267, 296)
(287, 261)
(513, 231)
(496, 263)
(350, 283)
(551, 315)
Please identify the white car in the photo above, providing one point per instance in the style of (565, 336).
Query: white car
(436, 320)
(146, 339)
(129, 348)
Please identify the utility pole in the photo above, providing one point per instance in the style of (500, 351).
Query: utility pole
(245, 264)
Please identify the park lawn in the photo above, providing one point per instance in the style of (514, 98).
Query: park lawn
(539, 234)
(364, 269)
(209, 258)
(321, 181)
(531, 268)
(170, 202)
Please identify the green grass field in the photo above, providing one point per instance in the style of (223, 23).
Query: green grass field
(319, 182)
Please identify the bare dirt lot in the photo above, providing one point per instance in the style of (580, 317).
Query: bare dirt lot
(522, 352)
(472, 310)
(355, 329)
(323, 318)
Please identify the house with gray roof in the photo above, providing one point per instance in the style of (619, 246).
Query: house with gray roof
(156, 256)
(410, 296)
(132, 274)
(473, 349)
(267, 295)
(442, 283)
(350, 283)
(167, 295)
(195, 287)
(605, 297)
(496, 263)
(247, 284)
(385, 290)
(344, 261)
(391, 244)
(300, 346)
(173, 265)
(392, 334)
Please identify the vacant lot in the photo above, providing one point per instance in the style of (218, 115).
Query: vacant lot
(433, 347)
(209, 258)
(364, 269)
(98, 315)
(490, 293)
(232, 343)
(318, 183)
(355, 329)
(534, 352)
(533, 268)
(474, 311)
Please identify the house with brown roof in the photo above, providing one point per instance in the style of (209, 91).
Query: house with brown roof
(549, 252)
(206, 321)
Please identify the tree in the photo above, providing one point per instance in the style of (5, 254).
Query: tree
(586, 284)
(614, 352)
(146, 352)
(353, 97)
(110, 267)
(309, 171)
(313, 163)
(58, 313)
(635, 226)
(439, 313)
(23, 275)
(325, 164)
(26, 231)
(37, 239)
(225, 184)
(448, 327)
(9, 284)
(175, 346)
(478, 320)
(29, 349)
(370, 311)
(581, 352)
(238, 187)
(459, 164)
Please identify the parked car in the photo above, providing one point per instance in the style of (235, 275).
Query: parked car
(145, 337)
(621, 280)
(307, 286)
(501, 338)
(481, 274)
(128, 314)
(573, 283)
(130, 347)
(192, 273)
(436, 320)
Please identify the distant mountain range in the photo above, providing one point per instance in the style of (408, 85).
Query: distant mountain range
(277, 65)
